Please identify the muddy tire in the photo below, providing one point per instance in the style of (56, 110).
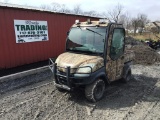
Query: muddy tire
(127, 77)
(94, 92)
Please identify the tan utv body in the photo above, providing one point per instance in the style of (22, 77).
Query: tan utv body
(95, 56)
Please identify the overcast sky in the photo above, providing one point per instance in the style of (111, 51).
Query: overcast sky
(149, 7)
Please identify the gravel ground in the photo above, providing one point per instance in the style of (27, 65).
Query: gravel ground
(137, 100)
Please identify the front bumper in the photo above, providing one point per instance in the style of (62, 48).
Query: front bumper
(67, 80)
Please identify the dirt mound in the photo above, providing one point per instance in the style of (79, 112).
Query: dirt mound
(130, 40)
(145, 55)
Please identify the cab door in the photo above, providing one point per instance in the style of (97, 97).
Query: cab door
(115, 54)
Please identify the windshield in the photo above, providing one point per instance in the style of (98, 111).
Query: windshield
(86, 39)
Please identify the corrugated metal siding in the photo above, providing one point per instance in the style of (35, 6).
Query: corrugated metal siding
(13, 54)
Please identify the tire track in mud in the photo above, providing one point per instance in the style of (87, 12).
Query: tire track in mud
(138, 104)
(121, 112)
(44, 101)
(22, 99)
(148, 102)
(12, 98)
(144, 107)
(61, 103)
(153, 113)
(38, 102)
(95, 108)
(71, 107)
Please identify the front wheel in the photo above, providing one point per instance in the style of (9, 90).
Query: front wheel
(94, 92)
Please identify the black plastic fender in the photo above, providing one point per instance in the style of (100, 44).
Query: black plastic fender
(100, 74)
(126, 68)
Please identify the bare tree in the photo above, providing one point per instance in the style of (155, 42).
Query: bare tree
(135, 24)
(56, 6)
(122, 19)
(68, 11)
(64, 9)
(77, 9)
(154, 30)
(91, 13)
(46, 7)
(125, 19)
(140, 21)
(128, 23)
(115, 13)
(143, 20)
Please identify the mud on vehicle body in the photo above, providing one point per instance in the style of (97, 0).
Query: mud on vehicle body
(95, 56)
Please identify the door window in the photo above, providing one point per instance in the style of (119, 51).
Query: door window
(117, 45)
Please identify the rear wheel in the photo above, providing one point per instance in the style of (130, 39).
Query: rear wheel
(127, 77)
(95, 91)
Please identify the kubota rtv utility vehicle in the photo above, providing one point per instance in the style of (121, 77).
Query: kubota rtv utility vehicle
(95, 56)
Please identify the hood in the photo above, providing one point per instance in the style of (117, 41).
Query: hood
(75, 60)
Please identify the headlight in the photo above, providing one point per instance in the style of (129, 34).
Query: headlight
(86, 69)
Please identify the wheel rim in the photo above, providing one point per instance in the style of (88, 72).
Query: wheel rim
(99, 91)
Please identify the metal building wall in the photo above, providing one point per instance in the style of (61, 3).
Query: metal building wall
(13, 54)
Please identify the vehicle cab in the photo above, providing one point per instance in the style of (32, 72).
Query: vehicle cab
(94, 57)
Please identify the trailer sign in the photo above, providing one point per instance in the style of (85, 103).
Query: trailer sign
(30, 31)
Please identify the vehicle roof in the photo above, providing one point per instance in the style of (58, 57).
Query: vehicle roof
(93, 23)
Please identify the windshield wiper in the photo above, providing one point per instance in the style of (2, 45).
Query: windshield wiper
(94, 31)
(74, 50)
(79, 27)
(96, 53)
(84, 51)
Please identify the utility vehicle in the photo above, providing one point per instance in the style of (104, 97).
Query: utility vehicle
(95, 56)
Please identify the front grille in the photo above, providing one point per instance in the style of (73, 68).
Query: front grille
(62, 80)
(63, 70)
(64, 73)
(61, 73)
